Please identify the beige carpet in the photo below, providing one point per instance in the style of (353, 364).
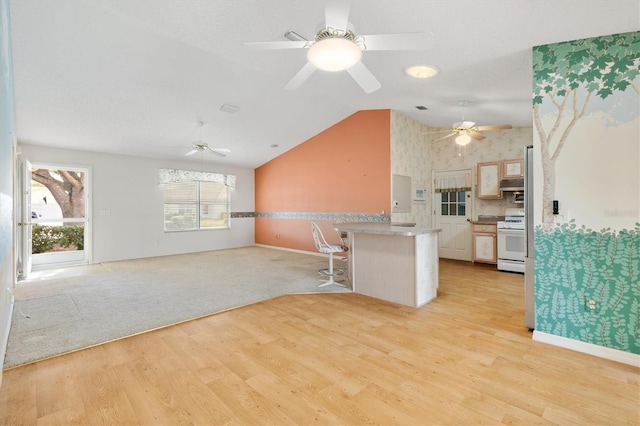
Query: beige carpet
(59, 311)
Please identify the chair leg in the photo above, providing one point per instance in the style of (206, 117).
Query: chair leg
(331, 274)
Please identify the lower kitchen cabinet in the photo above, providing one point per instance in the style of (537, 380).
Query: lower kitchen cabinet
(484, 245)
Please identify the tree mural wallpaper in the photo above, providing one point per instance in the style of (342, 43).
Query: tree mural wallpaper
(568, 75)
(587, 282)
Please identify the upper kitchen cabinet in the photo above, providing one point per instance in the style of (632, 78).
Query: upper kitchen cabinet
(489, 175)
(512, 168)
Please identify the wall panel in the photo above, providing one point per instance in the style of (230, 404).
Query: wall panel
(343, 172)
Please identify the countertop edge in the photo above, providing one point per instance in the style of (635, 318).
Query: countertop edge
(383, 229)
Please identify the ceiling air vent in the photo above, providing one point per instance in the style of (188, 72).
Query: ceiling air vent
(229, 108)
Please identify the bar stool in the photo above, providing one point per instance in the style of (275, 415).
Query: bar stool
(324, 247)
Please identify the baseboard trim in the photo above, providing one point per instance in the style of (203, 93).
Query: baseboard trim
(5, 340)
(588, 348)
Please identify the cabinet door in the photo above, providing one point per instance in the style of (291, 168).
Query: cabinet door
(484, 248)
(513, 168)
(488, 184)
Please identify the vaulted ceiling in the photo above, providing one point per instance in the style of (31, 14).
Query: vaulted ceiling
(135, 77)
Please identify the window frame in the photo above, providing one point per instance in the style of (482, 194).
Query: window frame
(197, 206)
(459, 199)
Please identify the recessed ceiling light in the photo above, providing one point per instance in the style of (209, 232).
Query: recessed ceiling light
(422, 71)
(421, 107)
(275, 145)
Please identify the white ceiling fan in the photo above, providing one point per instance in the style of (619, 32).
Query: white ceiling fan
(200, 146)
(336, 47)
(465, 131)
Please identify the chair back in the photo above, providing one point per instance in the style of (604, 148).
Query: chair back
(318, 238)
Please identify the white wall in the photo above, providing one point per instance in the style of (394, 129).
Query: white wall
(7, 144)
(128, 188)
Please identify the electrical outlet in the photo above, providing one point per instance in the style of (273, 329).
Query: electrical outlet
(592, 305)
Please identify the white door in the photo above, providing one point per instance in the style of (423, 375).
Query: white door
(59, 225)
(25, 240)
(452, 214)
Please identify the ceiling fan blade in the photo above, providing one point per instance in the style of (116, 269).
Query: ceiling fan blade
(336, 15)
(445, 137)
(477, 136)
(364, 78)
(273, 45)
(436, 131)
(218, 153)
(503, 127)
(464, 124)
(193, 151)
(406, 41)
(300, 77)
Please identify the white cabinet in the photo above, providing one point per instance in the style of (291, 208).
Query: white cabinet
(485, 247)
(513, 168)
(489, 175)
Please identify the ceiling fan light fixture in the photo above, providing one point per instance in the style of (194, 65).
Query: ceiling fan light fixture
(422, 71)
(334, 54)
(463, 139)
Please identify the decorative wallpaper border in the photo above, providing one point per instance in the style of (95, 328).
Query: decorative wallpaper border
(241, 215)
(349, 217)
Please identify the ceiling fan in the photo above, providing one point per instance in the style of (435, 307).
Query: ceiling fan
(465, 131)
(200, 146)
(336, 47)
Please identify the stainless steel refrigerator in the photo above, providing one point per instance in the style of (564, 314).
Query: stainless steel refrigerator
(529, 293)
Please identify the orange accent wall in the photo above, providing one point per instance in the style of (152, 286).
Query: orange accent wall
(344, 169)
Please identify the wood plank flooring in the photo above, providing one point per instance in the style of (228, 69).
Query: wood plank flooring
(464, 359)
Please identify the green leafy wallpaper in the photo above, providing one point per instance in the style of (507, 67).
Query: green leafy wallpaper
(588, 284)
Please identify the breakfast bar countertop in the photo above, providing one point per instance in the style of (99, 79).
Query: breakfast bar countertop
(384, 228)
(487, 220)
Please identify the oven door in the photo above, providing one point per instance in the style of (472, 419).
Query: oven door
(511, 244)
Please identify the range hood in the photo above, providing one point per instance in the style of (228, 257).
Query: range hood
(512, 184)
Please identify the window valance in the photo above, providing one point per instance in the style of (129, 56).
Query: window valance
(175, 175)
(454, 181)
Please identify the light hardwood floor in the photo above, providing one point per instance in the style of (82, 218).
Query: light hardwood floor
(465, 358)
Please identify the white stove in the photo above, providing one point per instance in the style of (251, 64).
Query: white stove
(511, 241)
(513, 219)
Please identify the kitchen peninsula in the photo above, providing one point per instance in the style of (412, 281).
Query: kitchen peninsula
(393, 262)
